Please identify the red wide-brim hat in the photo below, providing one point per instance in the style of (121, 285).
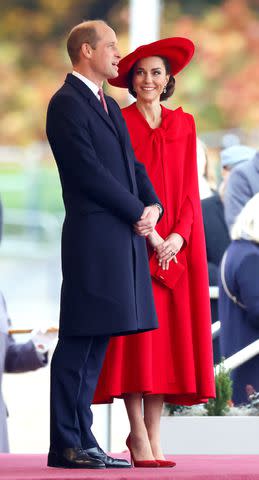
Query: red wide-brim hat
(177, 50)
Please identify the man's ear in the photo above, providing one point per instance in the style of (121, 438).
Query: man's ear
(86, 50)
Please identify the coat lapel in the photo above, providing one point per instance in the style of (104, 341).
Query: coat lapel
(116, 121)
(119, 124)
(93, 101)
(111, 120)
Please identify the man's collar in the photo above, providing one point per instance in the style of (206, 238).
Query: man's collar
(94, 101)
(87, 82)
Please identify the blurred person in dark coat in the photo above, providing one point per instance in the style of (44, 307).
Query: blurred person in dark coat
(239, 297)
(243, 184)
(15, 357)
(216, 231)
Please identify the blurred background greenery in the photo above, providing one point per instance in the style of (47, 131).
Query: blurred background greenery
(219, 87)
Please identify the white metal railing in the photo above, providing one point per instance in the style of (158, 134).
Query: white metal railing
(240, 357)
(214, 292)
(215, 329)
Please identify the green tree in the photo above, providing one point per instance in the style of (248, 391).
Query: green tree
(220, 405)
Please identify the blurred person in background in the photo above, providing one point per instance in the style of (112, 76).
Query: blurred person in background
(110, 207)
(229, 139)
(239, 297)
(1, 220)
(173, 364)
(243, 184)
(215, 228)
(16, 357)
(230, 158)
(202, 166)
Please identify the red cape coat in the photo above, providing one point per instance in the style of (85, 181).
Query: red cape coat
(175, 360)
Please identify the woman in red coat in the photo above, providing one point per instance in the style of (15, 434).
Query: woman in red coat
(174, 363)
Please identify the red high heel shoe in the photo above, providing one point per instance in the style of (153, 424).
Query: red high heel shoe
(165, 463)
(140, 463)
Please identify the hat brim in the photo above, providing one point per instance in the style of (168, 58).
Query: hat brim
(177, 50)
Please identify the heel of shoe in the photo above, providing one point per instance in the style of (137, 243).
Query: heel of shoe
(140, 463)
(127, 442)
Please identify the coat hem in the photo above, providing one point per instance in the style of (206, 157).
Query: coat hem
(111, 334)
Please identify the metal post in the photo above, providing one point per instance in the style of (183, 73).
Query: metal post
(144, 22)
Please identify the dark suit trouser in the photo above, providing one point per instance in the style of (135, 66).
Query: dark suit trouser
(75, 368)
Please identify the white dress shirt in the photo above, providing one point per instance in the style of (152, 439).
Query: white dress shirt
(89, 83)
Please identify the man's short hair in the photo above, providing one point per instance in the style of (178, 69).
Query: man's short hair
(84, 32)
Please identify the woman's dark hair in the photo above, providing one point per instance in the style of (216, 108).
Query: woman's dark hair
(169, 87)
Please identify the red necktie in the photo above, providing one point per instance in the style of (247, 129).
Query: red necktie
(103, 102)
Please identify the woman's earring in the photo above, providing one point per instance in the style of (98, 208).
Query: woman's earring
(165, 89)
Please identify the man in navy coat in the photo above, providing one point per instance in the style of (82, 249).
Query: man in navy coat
(110, 207)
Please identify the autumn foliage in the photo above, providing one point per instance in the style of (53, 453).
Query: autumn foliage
(220, 86)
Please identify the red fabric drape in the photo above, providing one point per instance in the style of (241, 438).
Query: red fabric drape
(175, 360)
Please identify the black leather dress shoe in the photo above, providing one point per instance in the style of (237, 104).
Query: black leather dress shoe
(73, 458)
(109, 462)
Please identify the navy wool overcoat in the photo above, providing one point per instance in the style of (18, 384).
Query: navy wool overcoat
(106, 288)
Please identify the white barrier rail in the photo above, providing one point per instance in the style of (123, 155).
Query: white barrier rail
(240, 357)
(215, 329)
(214, 292)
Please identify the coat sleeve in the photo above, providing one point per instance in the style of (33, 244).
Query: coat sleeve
(184, 224)
(191, 200)
(247, 277)
(72, 146)
(236, 195)
(22, 357)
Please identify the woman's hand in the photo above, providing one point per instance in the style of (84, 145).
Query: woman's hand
(168, 250)
(155, 239)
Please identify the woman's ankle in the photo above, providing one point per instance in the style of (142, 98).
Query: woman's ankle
(140, 446)
(156, 448)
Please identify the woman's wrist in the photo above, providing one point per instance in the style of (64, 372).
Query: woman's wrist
(177, 239)
(154, 239)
